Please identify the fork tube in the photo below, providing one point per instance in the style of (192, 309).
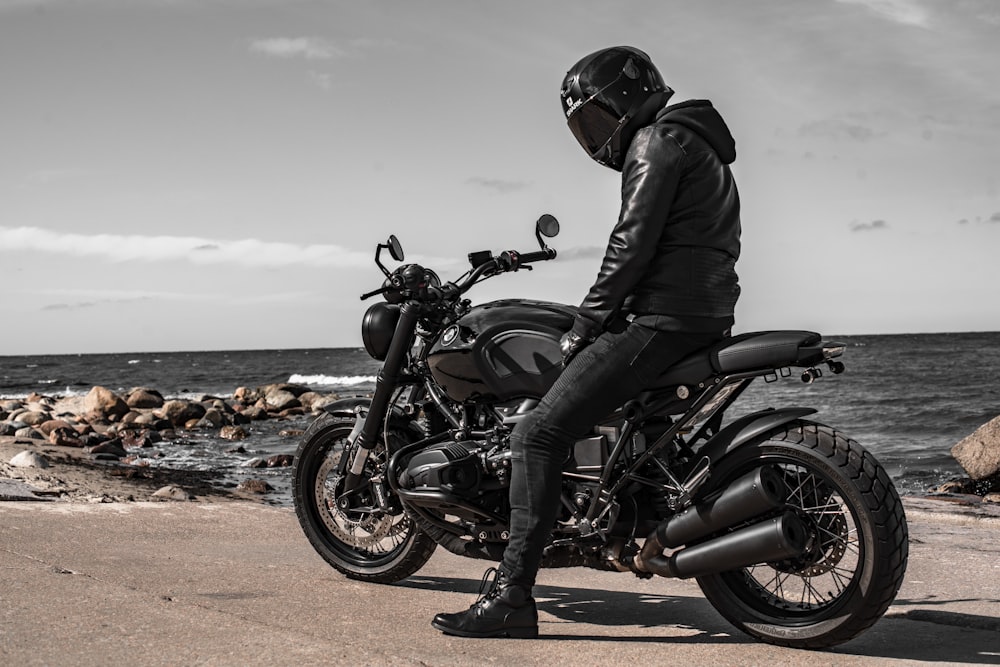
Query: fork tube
(385, 383)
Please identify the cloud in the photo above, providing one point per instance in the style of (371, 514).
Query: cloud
(118, 248)
(310, 48)
(869, 226)
(498, 185)
(837, 129)
(582, 252)
(905, 12)
(995, 217)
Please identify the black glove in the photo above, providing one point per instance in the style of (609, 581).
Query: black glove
(570, 344)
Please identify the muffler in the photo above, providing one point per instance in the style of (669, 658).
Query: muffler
(770, 540)
(750, 496)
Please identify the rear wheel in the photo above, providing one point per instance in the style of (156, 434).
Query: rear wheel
(856, 552)
(351, 532)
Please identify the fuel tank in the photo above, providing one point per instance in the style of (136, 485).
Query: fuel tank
(501, 350)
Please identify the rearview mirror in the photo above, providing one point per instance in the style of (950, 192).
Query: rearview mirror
(547, 225)
(395, 249)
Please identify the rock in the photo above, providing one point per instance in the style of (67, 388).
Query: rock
(143, 397)
(238, 449)
(979, 453)
(172, 492)
(318, 404)
(255, 462)
(65, 437)
(34, 418)
(28, 432)
(213, 418)
(233, 433)
(53, 424)
(279, 399)
(963, 486)
(245, 395)
(290, 432)
(992, 498)
(134, 439)
(105, 402)
(255, 413)
(29, 459)
(280, 461)
(9, 428)
(254, 486)
(178, 412)
(112, 447)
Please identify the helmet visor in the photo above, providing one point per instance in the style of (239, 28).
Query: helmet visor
(594, 125)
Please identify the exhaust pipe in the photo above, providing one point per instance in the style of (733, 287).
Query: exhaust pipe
(770, 540)
(757, 492)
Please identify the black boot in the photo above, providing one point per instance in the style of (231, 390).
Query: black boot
(505, 610)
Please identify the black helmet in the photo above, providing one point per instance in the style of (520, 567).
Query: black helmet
(608, 96)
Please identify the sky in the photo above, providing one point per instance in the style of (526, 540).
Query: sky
(216, 174)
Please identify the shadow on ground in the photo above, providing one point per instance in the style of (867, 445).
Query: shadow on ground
(918, 635)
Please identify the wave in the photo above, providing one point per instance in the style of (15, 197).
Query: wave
(332, 380)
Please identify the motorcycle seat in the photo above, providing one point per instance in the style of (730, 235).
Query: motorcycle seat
(744, 353)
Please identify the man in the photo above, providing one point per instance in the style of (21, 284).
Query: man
(667, 287)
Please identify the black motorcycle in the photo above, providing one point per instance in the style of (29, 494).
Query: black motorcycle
(794, 532)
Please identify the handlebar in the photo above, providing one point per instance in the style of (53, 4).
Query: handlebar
(508, 260)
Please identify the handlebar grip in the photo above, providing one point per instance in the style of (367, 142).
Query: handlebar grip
(540, 256)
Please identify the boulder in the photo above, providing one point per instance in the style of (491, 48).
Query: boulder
(29, 459)
(279, 400)
(53, 424)
(135, 439)
(144, 398)
(34, 418)
(178, 412)
(280, 461)
(979, 453)
(254, 486)
(172, 492)
(233, 433)
(105, 402)
(212, 418)
(28, 432)
(65, 437)
(112, 447)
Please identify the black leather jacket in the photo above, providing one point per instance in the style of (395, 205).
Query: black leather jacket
(671, 258)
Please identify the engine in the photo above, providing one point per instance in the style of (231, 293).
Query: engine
(465, 479)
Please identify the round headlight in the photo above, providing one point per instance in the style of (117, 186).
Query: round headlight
(377, 327)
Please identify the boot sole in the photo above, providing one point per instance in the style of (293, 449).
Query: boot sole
(512, 633)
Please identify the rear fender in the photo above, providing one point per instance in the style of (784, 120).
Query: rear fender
(748, 428)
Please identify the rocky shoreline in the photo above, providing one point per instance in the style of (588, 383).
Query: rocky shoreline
(99, 447)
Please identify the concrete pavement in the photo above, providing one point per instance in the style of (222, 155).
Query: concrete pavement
(234, 583)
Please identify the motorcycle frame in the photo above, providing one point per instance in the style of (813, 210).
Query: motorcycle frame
(406, 350)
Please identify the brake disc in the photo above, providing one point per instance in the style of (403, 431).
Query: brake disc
(360, 530)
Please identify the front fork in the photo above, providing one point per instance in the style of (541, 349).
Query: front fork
(385, 383)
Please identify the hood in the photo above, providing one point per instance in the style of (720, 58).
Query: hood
(700, 117)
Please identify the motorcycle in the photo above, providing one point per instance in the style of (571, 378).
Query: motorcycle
(793, 531)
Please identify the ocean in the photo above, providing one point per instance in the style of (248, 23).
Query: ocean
(907, 398)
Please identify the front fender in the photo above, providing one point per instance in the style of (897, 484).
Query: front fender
(349, 408)
(747, 428)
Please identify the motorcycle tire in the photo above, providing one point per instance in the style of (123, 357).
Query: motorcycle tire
(856, 554)
(359, 540)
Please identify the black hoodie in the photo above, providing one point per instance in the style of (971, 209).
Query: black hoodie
(671, 257)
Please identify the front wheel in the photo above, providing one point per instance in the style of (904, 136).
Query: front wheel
(856, 552)
(350, 531)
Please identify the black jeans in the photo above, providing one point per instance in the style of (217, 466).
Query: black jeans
(603, 376)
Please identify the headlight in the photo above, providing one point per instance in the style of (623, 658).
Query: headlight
(377, 327)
